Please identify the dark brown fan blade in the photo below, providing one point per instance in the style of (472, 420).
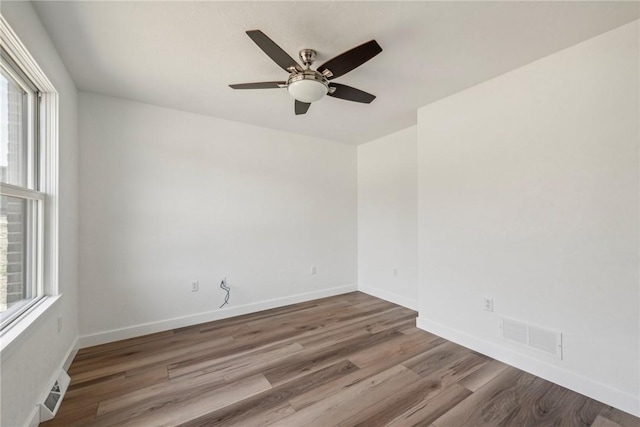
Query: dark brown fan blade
(259, 85)
(273, 51)
(351, 93)
(301, 107)
(351, 59)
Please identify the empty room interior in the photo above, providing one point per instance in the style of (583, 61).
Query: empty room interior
(331, 213)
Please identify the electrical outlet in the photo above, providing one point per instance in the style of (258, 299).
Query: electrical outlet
(59, 324)
(313, 270)
(195, 286)
(487, 304)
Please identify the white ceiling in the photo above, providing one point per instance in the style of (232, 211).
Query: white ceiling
(184, 54)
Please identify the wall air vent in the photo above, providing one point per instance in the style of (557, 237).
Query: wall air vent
(53, 399)
(543, 340)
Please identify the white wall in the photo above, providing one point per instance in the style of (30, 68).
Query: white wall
(528, 193)
(169, 197)
(28, 365)
(387, 218)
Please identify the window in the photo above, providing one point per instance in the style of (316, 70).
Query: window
(28, 180)
(21, 201)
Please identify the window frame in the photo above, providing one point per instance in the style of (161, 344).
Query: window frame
(41, 187)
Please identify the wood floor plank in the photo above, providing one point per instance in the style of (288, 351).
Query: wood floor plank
(312, 359)
(410, 330)
(491, 404)
(90, 394)
(483, 375)
(240, 366)
(330, 333)
(395, 404)
(274, 401)
(399, 321)
(212, 332)
(320, 393)
(131, 361)
(369, 319)
(604, 422)
(346, 360)
(422, 391)
(158, 394)
(430, 407)
(355, 298)
(398, 325)
(401, 347)
(335, 409)
(315, 314)
(545, 403)
(180, 407)
(457, 369)
(71, 414)
(174, 341)
(343, 383)
(435, 358)
(619, 417)
(266, 314)
(115, 347)
(243, 346)
(267, 417)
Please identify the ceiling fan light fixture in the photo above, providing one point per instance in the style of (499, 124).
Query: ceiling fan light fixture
(308, 86)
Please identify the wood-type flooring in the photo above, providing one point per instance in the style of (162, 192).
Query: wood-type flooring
(348, 360)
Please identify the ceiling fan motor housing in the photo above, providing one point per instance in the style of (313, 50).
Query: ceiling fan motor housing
(307, 86)
(308, 57)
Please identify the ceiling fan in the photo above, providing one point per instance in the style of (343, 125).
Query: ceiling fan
(307, 85)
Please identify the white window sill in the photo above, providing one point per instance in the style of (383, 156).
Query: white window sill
(18, 330)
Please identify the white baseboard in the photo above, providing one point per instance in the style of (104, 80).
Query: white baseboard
(71, 354)
(611, 396)
(194, 319)
(389, 296)
(34, 419)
